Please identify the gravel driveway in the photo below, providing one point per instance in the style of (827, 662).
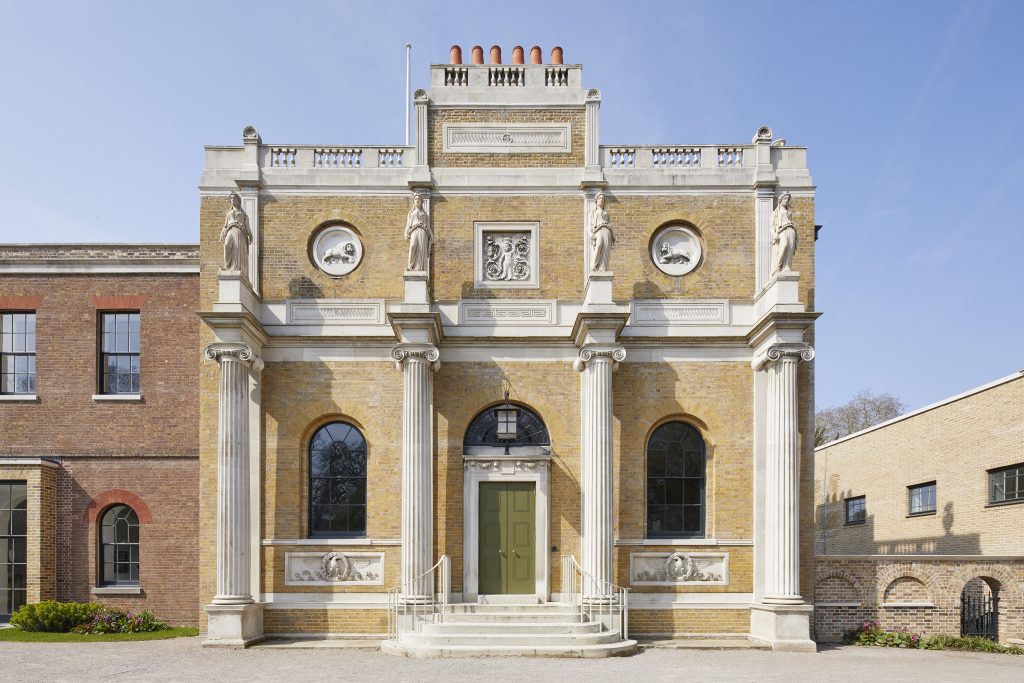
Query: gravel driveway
(182, 659)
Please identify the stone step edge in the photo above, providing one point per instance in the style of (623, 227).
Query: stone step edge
(616, 649)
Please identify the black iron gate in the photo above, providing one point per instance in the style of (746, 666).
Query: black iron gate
(979, 616)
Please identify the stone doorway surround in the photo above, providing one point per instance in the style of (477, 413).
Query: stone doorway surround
(528, 465)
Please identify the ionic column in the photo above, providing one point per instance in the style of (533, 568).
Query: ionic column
(233, 542)
(417, 362)
(597, 364)
(782, 473)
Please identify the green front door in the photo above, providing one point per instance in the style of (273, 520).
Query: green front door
(507, 549)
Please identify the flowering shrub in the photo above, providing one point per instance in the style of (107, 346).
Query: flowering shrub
(116, 621)
(52, 616)
(871, 633)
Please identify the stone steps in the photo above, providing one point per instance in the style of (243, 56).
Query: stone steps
(448, 627)
(519, 630)
(496, 617)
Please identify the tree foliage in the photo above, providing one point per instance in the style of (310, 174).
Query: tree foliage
(862, 411)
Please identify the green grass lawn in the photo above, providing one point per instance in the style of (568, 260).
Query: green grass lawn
(17, 635)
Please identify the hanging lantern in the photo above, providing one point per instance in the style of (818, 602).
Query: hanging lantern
(508, 420)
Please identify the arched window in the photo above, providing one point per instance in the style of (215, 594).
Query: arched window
(119, 546)
(337, 481)
(507, 428)
(676, 459)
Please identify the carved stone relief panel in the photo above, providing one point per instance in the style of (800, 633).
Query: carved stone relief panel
(506, 138)
(337, 250)
(678, 568)
(506, 255)
(676, 250)
(334, 569)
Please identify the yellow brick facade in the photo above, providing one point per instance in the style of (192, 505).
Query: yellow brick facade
(310, 378)
(437, 118)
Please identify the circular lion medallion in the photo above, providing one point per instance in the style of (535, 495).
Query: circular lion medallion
(337, 250)
(676, 250)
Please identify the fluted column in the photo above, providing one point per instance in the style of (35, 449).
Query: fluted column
(417, 362)
(782, 473)
(597, 494)
(233, 542)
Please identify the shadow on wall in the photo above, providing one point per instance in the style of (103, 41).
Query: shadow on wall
(833, 536)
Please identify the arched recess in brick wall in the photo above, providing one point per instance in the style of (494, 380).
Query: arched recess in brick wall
(932, 586)
(102, 501)
(906, 589)
(838, 586)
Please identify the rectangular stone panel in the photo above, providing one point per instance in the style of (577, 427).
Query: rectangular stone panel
(307, 312)
(506, 138)
(506, 313)
(659, 313)
(678, 569)
(334, 568)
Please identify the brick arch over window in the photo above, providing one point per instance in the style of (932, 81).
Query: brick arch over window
(111, 496)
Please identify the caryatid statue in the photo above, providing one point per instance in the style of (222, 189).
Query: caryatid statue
(601, 237)
(784, 240)
(236, 236)
(419, 234)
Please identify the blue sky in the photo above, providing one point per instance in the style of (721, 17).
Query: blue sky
(910, 111)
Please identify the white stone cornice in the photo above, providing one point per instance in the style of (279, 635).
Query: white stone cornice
(777, 352)
(218, 351)
(601, 353)
(426, 353)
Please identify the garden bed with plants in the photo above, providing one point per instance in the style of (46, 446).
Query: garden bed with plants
(50, 621)
(871, 633)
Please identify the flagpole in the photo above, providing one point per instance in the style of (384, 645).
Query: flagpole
(408, 54)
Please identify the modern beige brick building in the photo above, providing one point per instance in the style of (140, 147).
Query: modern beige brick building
(918, 517)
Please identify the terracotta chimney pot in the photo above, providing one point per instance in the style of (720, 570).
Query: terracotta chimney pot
(556, 55)
(517, 54)
(535, 55)
(455, 55)
(495, 54)
(478, 54)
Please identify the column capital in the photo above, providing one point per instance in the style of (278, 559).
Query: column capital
(785, 350)
(220, 351)
(600, 353)
(421, 353)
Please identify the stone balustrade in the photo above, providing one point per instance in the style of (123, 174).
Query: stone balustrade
(677, 157)
(506, 75)
(307, 157)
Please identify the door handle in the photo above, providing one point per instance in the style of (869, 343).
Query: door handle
(501, 552)
(515, 553)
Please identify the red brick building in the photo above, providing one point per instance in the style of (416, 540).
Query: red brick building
(99, 426)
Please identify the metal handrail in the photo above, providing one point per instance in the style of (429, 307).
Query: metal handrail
(605, 597)
(432, 608)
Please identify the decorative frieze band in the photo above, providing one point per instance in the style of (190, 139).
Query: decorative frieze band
(661, 313)
(221, 351)
(594, 352)
(777, 352)
(334, 569)
(679, 568)
(336, 312)
(506, 313)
